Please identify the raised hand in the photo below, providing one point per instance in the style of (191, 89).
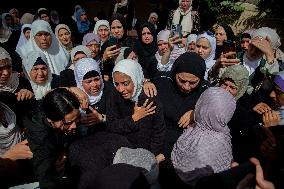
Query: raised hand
(143, 111)
(186, 119)
(19, 151)
(24, 94)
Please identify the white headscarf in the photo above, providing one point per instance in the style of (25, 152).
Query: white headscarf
(209, 61)
(63, 26)
(82, 67)
(191, 38)
(13, 82)
(23, 40)
(28, 62)
(81, 48)
(270, 33)
(5, 31)
(123, 3)
(56, 55)
(10, 134)
(100, 23)
(187, 22)
(134, 70)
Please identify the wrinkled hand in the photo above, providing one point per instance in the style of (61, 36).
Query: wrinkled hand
(186, 119)
(19, 151)
(143, 111)
(264, 45)
(111, 52)
(270, 118)
(224, 61)
(261, 108)
(160, 158)
(175, 40)
(150, 89)
(91, 118)
(24, 94)
(261, 183)
(81, 95)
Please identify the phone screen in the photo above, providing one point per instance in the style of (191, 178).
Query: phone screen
(229, 46)
(114, 41)
(176, 30)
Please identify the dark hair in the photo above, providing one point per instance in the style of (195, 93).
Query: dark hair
(43, 12)
(58, 103)
(26, 29)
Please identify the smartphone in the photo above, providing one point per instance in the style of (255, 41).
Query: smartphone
(114, 41)
(176, 30)
(229, 46)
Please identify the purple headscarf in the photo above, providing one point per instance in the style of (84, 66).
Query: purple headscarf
(208, 141)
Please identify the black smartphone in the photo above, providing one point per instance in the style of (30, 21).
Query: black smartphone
(114, 41)
(176, 30)
(229, 46)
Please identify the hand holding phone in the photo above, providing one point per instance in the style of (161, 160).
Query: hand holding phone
(229, 46)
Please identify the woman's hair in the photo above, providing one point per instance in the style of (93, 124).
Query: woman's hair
(58, 103)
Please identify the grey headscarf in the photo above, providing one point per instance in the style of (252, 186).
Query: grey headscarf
(208, 141)
(240, 75)
(10, 133)
(270, 33)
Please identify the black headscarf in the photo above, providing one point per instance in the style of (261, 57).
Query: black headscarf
(121, 19)
(190, 63)
(230, 36)
(149, 49)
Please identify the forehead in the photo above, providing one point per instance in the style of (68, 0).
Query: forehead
(220, 29)
(116, 23)
(187, 76)
(120, 76)
(42, 33)
(40, 66)
(203, 41)
(103, 27)
(61, 30)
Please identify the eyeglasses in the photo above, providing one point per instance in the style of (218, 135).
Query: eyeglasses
(66, 125)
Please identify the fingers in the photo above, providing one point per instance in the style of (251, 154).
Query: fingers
(24, 142)
(145, 103)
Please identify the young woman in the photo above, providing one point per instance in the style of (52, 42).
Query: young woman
(25, 35)
(131, 113)
(63, 34)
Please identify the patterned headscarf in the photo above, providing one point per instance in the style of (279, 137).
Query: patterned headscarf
(82, 67)
(208, 141)
(240, 76)
(134, 70)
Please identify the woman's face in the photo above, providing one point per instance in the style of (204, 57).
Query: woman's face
(78, 56)
(43, 40)
(147, 36)
(94, 48)
(245, 43)
(220, 35)
(64, 36)
(153, 20)
(92, 85)
(123, 84)
(191, 47)
(230, 87)
(163, 47)
(69, 123)
(39, 74)
(203, 47)
(187, 82)
(185, 4)
(5, 71)
(103, 32)
(83, 17)
(27, 34)
(117, 29)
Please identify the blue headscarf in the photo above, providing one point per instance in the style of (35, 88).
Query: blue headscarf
(82, 26)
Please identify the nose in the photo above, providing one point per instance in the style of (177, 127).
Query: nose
(72, 126)
(272, 94)
(5, 72)
(120, 88)
(186, 86)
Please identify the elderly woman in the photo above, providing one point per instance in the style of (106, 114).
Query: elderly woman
(205, 148)
(63, 34)
(67, 77)
(43, 40)
(92, 41)
(153, 19)
(188, 19)
(205, 47)
(102, 28)
(131, 113)
(191, 43)
(11, 81)
(39, 74)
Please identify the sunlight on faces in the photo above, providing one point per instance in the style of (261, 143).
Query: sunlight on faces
(230, 87)
(5, 70)
(187, 82)
(39, 74)
(103, 32)
(92, 85)
(185, 4)
(203, 48)
(147, 36)
(117, 29)
(123, 84)
(69, 124)
(191, 47)
(220, 35)
(43, 40)
(64, 36)
(163, 47)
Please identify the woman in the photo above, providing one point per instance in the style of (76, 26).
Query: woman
(131, 113)
(126, 9)
(93, 42)
(67, 77)
(83, 24)
(88, 78)
(38, 73)
(102, 28)
(205, 47)
(205, 148)
(222, 32)
(43, 40)
(63, 34)
(11, 81)
(188, 19)
(191, 43)
(25, 35)
(153, 19)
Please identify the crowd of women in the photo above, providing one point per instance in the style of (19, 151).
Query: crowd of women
(122, 103)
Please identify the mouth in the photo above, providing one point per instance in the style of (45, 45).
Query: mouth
(124, 95)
